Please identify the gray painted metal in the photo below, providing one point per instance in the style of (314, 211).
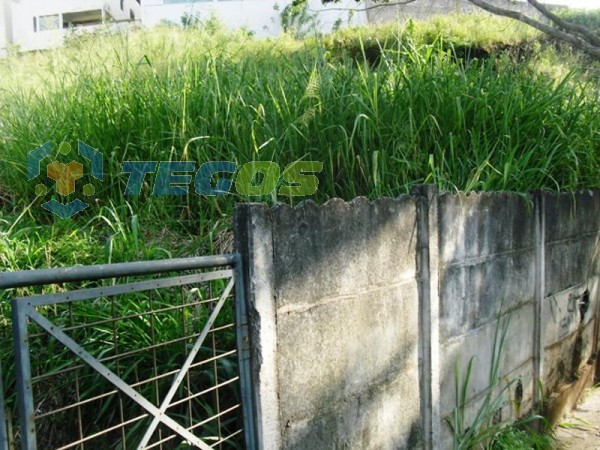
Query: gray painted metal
(186, 365)
(3, 434)
(24, 309)
(24, 387)
(106, 373)
(106, 291)
(243, 345)
(84, 273)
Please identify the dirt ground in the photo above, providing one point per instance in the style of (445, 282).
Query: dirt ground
(580, 429)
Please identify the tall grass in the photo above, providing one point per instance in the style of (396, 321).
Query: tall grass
(417, 117)
(416, 112)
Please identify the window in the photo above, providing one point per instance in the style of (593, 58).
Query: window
(131, 14)
(122, 5)
(46, 23)
(183, 1)
(34, 24)
(82, 18)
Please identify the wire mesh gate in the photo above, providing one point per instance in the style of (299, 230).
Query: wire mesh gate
(104, 361)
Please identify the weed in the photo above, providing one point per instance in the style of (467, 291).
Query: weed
(487, 429)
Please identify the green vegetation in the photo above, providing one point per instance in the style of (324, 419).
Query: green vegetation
(456, 102)
(588, 19)
(486, 429)
(422, 114)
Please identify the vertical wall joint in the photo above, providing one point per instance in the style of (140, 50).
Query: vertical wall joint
(254, 244)
(539, 293)
(427, 254)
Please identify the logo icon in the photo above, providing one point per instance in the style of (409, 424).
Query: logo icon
(65, 176)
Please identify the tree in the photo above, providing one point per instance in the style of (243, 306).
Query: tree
(548, 22)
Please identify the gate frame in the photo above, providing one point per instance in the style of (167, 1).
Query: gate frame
(40, 277)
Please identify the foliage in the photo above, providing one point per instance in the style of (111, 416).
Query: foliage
(486, 429)
(297, 20)
(524, 438)
(416, 113)
(586, 18)
(539, 16)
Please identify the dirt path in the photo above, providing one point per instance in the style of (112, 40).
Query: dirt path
(580, 429)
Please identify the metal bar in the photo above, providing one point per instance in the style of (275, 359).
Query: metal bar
(103, 432)
(243, 345)
(206, 391)
(23, 381)
(226, 438)
(196, 425)
(113, 378)
(40, 277)
(3, 435)
(210, 419)
(126, 354)
(186, 365)
(113, 392)
(134, 316)
(127, 288)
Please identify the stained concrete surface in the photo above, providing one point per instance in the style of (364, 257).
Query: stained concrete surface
(580, 429)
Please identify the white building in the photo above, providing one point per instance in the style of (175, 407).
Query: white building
(40, 24)
(262, 17)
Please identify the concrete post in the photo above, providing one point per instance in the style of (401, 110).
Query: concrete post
(539, 294)
(254, 243)
(426, 197)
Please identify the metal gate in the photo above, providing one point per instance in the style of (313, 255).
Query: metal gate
(139, 355)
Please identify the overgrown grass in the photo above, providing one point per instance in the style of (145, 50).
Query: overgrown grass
(587, 18)
(418, 116)
(384, 109)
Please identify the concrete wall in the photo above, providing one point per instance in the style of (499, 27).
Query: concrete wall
(360, 311)
(424, 9)
(333, 291)
(487, 260)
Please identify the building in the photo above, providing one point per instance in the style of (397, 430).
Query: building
(261, 17)
(41, 24)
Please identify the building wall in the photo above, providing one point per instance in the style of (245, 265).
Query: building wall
(360, 313)
(25, 35)
(259, 16)
(5, 26)
(3, 30)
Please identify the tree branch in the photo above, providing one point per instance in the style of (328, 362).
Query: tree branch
(366, 8)
(586, 34)
(557, 33)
